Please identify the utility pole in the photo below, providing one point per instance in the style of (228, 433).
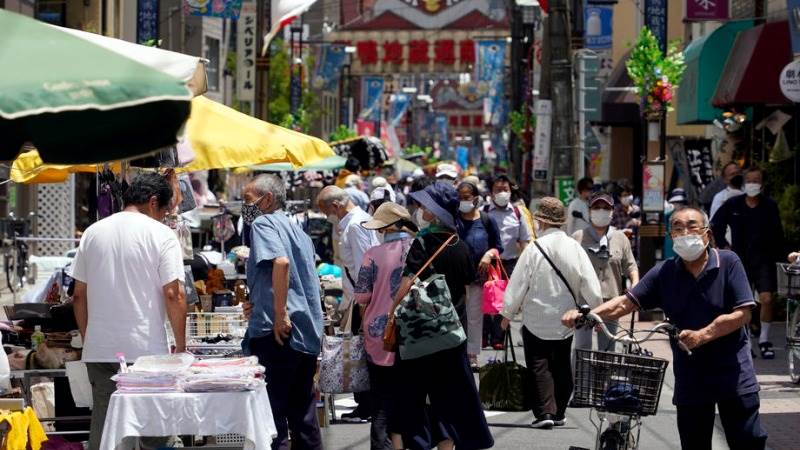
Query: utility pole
(558, 39)
(517, 97)
(263, 8)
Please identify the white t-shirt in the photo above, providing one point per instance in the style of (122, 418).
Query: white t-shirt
(125, 261)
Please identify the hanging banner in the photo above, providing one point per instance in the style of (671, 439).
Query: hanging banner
(398, 106)
(371, 94)
(699, 161)
(653, 179)
(246, 53)
(655, 19)
(700, 10)
(146, 20)
(329, 67)
(793, 9)
(543, 109)
(226, 9)
(365, 127)
(441, 134)
(599, 20)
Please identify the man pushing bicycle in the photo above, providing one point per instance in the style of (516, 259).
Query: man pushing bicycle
(704, 292)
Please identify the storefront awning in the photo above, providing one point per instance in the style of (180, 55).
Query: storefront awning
(705, 58)
(753, 68)
(620, 105)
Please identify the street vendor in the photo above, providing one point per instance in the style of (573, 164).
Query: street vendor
(705, 293)
(129, 278)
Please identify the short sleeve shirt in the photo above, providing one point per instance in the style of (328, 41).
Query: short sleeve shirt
(722, 368)
(274, 236)
(454, 263)
(611, 256)
(478, 238)
(513, 229)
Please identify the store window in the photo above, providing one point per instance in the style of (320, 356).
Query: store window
(52, 11)
(212, 70)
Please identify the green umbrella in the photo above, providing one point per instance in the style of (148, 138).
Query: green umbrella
(329, 163)
(77, 102)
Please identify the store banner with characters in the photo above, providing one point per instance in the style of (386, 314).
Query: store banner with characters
(329, 67)
(398, 105)
(371, 96)
(226, 9)
(490, 76)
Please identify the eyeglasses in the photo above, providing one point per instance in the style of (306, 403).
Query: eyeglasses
(681, 229)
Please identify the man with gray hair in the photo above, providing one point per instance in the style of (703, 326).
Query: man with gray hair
(285, 319)
(354, 241)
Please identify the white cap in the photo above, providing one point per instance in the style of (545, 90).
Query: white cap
(382, 193)
(379, 182)
(418, 172)
(446, 170)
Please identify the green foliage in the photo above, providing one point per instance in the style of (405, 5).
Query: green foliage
(519, 121)
(415, 149)
(780, 181)
(342, 133)
(279, 90)
(647, 65)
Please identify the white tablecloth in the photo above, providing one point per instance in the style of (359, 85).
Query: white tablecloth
(203, 414)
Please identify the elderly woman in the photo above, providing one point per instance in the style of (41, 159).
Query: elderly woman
(437, 400)
(377, 283)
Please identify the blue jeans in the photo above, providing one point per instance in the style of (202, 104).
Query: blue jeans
(739, 417)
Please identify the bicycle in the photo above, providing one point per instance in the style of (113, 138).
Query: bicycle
(623, 385)
(789, 286)
(15, 252)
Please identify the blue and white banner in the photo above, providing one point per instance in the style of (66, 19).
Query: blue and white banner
(490, 75)
(441, 133)
(462, 156)
(398, 105)
(793, 7)
(329, 67)
(599, 25)
(146, 20)
(655, 19)
(371, 96)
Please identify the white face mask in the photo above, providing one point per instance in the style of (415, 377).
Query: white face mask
(689, 247)
(752, 189)
(501, 199)
(421, 222)
(600, 217)
(627, 200)
(466, 206)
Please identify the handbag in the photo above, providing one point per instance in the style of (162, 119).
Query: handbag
(390, 334)
(505, 386)
(495, 288)
(343, 368)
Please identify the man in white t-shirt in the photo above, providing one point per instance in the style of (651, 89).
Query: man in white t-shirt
(129, 278)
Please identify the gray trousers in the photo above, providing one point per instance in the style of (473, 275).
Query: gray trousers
(102, 387)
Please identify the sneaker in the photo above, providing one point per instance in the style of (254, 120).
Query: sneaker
(559, 422)
(355, 416)
(766, 350)
(545, 423)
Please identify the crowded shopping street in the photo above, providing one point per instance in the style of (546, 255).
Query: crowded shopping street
(399, 224)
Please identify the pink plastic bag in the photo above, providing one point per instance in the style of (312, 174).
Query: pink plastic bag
(495, 288)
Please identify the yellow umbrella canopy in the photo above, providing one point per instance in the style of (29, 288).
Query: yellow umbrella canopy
(220, 137)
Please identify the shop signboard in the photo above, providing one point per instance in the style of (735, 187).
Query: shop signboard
(699, 162)
(790, 81)
(653, 187)
(565, 189)
(246, 52)
(793, 10)
(541, 147)
(146, 20)
(700, 10)
(599, 20)
(655, 19)
(226, 9)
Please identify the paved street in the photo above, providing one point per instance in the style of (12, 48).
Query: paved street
(780, 410)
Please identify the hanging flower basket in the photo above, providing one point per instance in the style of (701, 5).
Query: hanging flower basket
(655, 75)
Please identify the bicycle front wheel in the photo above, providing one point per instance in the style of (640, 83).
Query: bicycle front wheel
(793, 340)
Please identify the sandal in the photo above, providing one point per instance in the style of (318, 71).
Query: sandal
(766, 350)
(473, 363)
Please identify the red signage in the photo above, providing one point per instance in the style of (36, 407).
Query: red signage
(699, 10)
(419, 52)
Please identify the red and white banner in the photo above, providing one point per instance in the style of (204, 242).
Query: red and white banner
(284, 12)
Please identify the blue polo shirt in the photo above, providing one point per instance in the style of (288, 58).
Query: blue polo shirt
(273, 236)
(722, 368)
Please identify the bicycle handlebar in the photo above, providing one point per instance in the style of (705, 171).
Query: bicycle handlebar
(591, 319)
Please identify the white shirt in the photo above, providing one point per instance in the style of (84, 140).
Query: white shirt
(125, 261)
(574, 224)
(513, 229)
(538, 291)
(355, 240)
(721, 197)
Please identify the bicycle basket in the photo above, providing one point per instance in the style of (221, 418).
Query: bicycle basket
(788, 280)
(617, 382)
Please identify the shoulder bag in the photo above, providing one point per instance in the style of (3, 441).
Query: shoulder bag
(558, 272)
(426, 319)
(494, 288)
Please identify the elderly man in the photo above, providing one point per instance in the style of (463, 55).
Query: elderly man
(549, 276)
(732, 175)
(128, 279)
(354, 241)
(705, 293)
(285, 326)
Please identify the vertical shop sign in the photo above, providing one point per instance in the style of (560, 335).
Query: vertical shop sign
(565, 189)
(246, 52)
(655, 19)
(296, 88)
(146, 20)
(700, 10)
(541, 149)
(329, 67)
(371, 95)
(699, 162)
(653, 187)
(599, 20)
(793, 10)
(226, 9)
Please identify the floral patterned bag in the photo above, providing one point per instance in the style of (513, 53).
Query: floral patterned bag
(343, 368)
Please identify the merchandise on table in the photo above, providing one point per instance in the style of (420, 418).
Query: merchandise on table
(182, 373)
